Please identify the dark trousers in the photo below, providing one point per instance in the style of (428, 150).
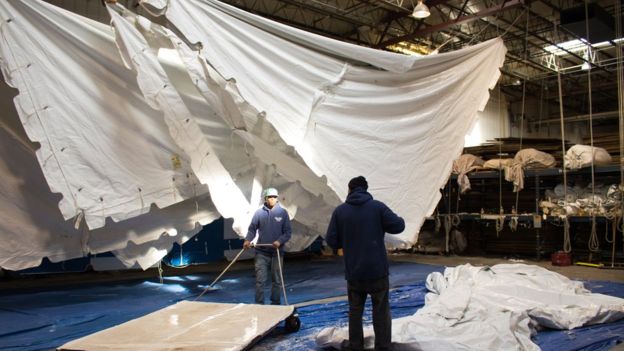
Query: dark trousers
(378, 289)
(267, 265)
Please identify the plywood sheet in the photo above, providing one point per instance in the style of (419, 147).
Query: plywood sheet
(188, 325)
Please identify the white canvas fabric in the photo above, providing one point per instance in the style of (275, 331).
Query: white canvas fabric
(161, 94)
(102, 146)
(144, 126)
(136, 141)
(579, 156)
(492, 308)
(31, 226)
(100, 142)
(345, 118)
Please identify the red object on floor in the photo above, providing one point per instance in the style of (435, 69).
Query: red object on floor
(561, 258)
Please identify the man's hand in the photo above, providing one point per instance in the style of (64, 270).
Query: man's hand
(276, 244)
(246, 244)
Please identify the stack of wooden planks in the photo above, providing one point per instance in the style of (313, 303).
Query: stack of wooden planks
(607, 141)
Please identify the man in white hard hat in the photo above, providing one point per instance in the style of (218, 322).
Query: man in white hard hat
(272, 225)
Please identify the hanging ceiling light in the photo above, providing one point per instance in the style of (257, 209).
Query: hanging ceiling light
(421, 10)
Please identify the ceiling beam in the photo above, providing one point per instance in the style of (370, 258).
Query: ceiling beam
(460, 20)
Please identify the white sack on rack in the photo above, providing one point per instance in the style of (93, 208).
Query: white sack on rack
(527, 159)
(462, 166)
(497, 308)
(579, 156)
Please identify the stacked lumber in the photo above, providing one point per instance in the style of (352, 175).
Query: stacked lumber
(607, 141)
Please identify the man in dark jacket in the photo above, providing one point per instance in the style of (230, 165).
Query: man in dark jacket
(358, 227)
(272, 225)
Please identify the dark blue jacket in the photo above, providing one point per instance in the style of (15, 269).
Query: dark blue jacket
(271, 224)
(358, 227)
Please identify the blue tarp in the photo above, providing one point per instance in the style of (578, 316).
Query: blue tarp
(34, 320)
(406, 300)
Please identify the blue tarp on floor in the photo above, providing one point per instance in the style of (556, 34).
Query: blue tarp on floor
(406, 300)
(34, 320)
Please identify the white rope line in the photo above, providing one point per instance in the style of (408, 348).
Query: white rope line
(618, 50)
(593, 243)
(526, 52)
(567, 245)
(607, 231)
(500, 156)
(220, 275)
(500, 223)
(160, 272)
(513, 23)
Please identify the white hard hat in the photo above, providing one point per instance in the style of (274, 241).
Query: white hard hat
(270, 192)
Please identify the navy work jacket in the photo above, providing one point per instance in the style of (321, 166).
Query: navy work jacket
(358, 227)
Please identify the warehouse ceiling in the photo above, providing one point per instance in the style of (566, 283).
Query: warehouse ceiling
(545, 40)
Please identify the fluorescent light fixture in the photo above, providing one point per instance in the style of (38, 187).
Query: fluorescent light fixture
(572, 46)
(421, 10)
(576, 46)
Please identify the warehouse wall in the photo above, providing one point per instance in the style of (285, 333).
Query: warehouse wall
(493, 122)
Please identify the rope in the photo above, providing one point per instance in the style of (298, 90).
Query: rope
(567, 246)
(220, 275)
(541, 106)
(160, 272)
(500, 223)
(455, 220)
(141, 198)
(607, 231)
(618, 50)
(620, 80)
(500, 151)
(526, 50)
(194, 195)
(513, 223)
(513, 23)
(593, 243)
(447, 230)
(438, 223)
(181, 260)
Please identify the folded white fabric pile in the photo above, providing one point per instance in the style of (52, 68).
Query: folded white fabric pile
(493, 308)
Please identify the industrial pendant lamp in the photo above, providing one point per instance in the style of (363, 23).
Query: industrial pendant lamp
(421, 10)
